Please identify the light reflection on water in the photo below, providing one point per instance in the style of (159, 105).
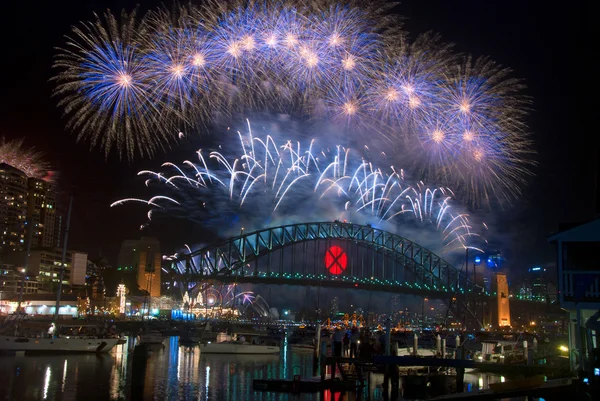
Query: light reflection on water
(171, 372)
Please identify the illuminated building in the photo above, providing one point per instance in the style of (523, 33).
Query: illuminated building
(45, 305)
(26, 200)
(538, 279)
(46, 265)
(13, 208)
(121, 293)
(47, 262)
(142, 257)
(11, 279)
(41, 211)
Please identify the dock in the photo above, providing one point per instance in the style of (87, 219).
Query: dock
(559, 389)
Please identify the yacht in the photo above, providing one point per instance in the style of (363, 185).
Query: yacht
(58, 344)
(239, 344)
(27, 337)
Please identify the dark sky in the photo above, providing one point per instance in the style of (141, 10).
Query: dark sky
(541, 43)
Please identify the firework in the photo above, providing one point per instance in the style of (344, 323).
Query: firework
(224, 299)
(136, 84)
(107, 91)
(28, 160)
(268, 180)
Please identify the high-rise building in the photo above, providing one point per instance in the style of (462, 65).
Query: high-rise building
(26, 202)
(41, 212)
(13, 208)
(538, 282)
(142, 257)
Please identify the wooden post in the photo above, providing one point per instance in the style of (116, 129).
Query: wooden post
(456, 345)
(460, 372)
(317, 353)
(333, 364)
(415, 345)
(444, 348)
(388, 336)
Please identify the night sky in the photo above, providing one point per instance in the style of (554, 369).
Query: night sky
(540, 42)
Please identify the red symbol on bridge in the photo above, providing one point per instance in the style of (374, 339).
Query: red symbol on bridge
(336, 260)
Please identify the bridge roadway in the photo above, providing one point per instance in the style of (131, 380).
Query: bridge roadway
(335, 282)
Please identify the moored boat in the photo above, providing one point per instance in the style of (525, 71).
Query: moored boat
(42, 336)
(151, 337)
(306, 344)
(58, 344)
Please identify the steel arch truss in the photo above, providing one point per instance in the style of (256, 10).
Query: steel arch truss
(232, 259)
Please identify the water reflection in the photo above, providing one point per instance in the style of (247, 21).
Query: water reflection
(168, 372)
(56, 377)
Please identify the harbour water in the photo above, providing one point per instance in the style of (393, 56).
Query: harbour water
(172, 372)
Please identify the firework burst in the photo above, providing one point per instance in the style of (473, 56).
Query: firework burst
(28, 160)
(269, 180)
(136, 84)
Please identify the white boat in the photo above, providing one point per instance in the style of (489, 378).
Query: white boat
(59, 344)
(303, 345)
(152, 337)
(236, 347)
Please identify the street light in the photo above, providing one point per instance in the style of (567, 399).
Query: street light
(423, 314)
(476, 262)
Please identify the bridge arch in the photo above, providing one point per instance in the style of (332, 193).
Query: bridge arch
(236, 260)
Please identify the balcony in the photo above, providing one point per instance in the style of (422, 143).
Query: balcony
(580, 286)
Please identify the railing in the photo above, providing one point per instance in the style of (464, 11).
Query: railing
(581, 286)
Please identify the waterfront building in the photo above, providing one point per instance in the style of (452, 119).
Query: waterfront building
(579, 288)
(45, 305)
(11, 280)
(46, 265)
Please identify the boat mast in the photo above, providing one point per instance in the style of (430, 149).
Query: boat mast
(64, 257)
(26, 264)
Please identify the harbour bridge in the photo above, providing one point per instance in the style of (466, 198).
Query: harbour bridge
(330, 254)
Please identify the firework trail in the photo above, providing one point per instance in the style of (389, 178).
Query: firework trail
(268, 180)
(28, 160)
(225, 297)
(136, 83)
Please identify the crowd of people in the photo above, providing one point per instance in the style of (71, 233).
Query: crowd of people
(353, 343)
